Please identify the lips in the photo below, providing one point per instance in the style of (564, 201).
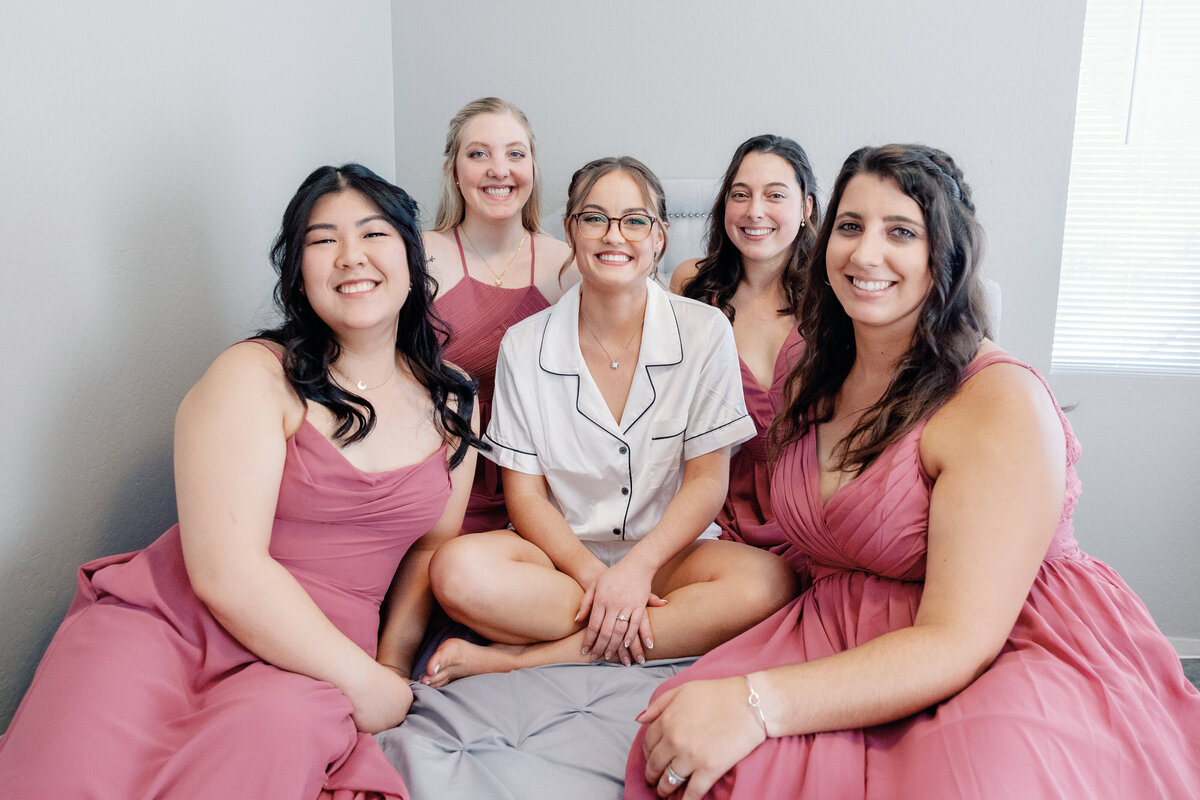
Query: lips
(871, 286)
(614, 258)
(357, 287)
(757, 231)
(499, 192)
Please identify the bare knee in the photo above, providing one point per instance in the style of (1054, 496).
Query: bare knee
(456, 573)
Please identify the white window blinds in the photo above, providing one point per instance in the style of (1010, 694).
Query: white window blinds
(1129, 294)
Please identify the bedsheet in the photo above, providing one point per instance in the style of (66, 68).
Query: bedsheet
(559, 731)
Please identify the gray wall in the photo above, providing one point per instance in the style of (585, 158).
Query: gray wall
(147, 152)
(992, 83)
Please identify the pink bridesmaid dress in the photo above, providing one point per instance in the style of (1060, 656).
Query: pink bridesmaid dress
(478, 314)
(142, 693)
(1086, 699)
(747, 516)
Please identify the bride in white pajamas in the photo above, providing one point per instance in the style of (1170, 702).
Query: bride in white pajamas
(614, 415)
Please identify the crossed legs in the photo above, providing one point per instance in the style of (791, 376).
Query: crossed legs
(508, 590)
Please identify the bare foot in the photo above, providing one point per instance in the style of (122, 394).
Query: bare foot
(457, 658)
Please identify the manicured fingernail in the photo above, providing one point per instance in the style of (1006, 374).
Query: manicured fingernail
(650, 643)
(437, 667)
(627, 645)
(641, 714)
(625, 660)
(583, 651)
(641, 659)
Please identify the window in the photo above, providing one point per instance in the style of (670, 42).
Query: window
(1129, 293)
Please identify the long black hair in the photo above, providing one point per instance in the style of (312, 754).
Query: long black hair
(720, 271)
(950, 328)
(309, 346)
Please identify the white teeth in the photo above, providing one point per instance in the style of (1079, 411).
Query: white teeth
(499, 191)
(354, 288)
(871, 286)
(757, 231)
(614, 258)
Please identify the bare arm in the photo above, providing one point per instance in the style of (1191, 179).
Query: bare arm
(230, 445)
(410, 600)
(996, 453)
(683, 275)
(539, 522)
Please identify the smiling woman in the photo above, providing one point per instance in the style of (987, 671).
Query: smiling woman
(614, 414)
(493, 264)
(229, 658)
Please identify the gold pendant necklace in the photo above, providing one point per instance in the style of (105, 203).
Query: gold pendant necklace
(499, 276)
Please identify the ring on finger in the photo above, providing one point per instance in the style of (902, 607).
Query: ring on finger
(673, 777)
(622, 617)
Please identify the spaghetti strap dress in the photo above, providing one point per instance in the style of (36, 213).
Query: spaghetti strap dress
(478, 314)
(142, 694)
(1086, 698)
(746, 515)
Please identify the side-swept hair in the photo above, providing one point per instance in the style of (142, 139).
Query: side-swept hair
(310, 347)
(584, 180)
(720, 271)
(950, 327)
(451, 207)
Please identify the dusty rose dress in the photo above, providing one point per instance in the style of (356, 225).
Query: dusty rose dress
(1087, 699)
(747, 516)
(478, 314)
(142, 694)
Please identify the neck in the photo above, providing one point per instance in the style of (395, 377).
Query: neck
(614, 312)
(877, 352)
(493, 237)
(764, 276)
(367, 356)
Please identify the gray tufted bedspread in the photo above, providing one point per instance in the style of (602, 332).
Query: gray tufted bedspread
(560, 731)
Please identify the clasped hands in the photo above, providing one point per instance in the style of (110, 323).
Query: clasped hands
(614, 602)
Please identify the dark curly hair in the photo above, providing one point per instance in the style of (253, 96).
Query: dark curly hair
(719, 273)
(309, 346)
(950, 328)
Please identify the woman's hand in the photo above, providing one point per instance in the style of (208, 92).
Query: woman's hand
(615, 604)
(381, 700)
(700, 730)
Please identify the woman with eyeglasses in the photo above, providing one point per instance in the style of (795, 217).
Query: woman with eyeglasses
(615, 411)
(761, 232)
(493, 264)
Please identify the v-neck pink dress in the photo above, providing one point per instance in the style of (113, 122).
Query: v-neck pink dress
(142, 694)
(478, 314)
(747, 516)
(1086, 699)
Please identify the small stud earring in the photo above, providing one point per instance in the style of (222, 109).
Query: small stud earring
(801, 223)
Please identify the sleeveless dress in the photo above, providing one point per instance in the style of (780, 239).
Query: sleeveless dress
(478, 314)
(142, 693)
(747, 516)
(1086, 699)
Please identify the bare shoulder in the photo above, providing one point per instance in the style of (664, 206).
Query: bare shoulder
(551, 255)
(1003, 410)
(683, 274)
(442, 259)
(246, 378)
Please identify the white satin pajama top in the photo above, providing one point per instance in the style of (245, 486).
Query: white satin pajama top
(613, 480)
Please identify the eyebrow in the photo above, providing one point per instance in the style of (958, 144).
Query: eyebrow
(327, 226)
(747, 186)
(484, 144)
(889, 218)
(602, 210)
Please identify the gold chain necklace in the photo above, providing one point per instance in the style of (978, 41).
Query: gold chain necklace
(613, 363)
(362, 387)
(499, 276)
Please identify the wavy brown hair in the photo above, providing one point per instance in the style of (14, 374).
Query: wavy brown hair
(720, 271)
(950, 327)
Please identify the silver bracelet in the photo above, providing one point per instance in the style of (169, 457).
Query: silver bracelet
(755, 702)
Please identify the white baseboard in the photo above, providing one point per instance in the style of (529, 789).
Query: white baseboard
(1186, 648)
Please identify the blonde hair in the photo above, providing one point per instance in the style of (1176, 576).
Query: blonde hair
(451, 208)
(584, 180)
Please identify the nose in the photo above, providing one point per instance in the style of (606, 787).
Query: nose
(351, 253)
(498, 169)
(867, 251)
(755, 209)
(613, 235)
